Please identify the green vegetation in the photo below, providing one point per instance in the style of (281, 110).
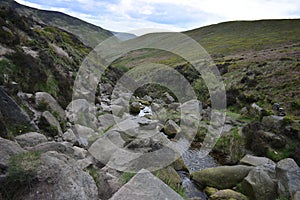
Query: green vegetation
(95, 175)
(21, 173)
(126, 176)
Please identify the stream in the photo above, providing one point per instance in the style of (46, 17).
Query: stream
(194, 162)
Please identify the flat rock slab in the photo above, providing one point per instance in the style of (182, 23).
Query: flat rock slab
(145, 186)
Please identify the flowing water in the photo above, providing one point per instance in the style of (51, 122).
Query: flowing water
(194, 162)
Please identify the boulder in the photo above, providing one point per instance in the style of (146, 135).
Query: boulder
(169, 175)
(13, 114)
(260, 183)
(288, 176)
(80, 111)
(222, 177)
(79, 153)
(59, 178)
(145, 185)
(31, 139)
(52, 146)
(69, 136)
(168, 98)
(209, 191)
(8, 149)
(171, 128)
(45, 99)
(296, 196)
(228, 195)
(135, 107)
(255, 160)
(50, 124)
(273, 123)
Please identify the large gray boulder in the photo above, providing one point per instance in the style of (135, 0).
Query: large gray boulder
(288, 176)
(222, 177)
(7, 149)
(52, 146)
(255, 160)
(59, 178)
(31, 139)
(260, 183)
(45, 99)
(145, 185)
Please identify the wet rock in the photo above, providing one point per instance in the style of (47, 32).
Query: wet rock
(135, 108)
(145, 185)
(221, 177)
(31, 139)
(228, 195)
(288, 176)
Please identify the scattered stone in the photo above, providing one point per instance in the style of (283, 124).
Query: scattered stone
(31, 139)
(228, 195)
(221, 177)
(145, 185)
(135, 108)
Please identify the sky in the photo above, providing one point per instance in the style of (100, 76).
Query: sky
(141, 16)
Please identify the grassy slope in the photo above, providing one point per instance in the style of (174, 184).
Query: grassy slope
(89, 34)
(266, 53)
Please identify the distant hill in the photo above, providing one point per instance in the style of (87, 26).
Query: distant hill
(238, 36)
(89, 34)
(124, 36)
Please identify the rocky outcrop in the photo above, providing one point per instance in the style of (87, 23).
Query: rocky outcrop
(222, 177)
(50, 125)
(171, 128)
(145, 185)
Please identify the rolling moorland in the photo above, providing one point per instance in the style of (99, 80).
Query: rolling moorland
(44, 155)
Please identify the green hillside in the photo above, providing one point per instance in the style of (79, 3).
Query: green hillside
(89, 34)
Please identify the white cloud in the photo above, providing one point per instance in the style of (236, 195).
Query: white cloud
(176, 15)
